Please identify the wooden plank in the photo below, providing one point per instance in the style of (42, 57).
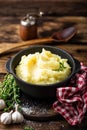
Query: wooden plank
(59, 8)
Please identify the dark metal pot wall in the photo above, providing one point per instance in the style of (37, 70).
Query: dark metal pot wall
(41, 91)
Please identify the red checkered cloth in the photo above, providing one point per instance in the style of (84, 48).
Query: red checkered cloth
(72, 100)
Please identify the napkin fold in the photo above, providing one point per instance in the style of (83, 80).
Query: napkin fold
(72, 99)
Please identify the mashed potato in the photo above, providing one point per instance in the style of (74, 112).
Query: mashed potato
(43, 68)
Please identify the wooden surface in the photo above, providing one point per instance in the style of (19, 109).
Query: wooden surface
(68, 14)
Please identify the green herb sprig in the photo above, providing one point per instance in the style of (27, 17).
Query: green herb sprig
(9, 91)
(28, 128)
(62, 67)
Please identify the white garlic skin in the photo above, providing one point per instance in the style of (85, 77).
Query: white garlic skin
(17, 117)
(6, 118)
(2, 104)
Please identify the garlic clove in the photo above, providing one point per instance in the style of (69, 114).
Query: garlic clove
(2, 104)
(6, 117)
(17, 117)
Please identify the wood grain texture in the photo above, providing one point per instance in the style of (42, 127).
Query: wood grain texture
(57, 7)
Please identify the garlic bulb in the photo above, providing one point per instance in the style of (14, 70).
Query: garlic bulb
(17, 117)
(6, 117)
(2, 104)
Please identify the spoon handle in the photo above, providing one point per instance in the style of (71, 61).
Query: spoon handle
(7, 47)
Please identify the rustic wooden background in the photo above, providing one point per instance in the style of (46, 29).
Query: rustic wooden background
(61, 7)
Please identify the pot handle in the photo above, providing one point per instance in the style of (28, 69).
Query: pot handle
(8, 65)
(77, 66)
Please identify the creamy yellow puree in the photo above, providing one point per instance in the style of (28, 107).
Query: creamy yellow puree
(43, 68)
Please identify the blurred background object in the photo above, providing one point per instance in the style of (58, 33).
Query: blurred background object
(58, 14)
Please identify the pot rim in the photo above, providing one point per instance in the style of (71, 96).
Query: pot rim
(42, 85)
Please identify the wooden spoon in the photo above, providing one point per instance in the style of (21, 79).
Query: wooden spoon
(61, 36)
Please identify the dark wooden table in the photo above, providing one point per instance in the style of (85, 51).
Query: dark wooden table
(77, 46)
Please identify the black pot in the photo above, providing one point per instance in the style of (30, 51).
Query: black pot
(41, 91)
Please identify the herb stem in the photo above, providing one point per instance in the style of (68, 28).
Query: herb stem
(9, 91)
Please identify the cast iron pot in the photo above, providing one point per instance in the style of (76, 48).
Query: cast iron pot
(41, 91)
